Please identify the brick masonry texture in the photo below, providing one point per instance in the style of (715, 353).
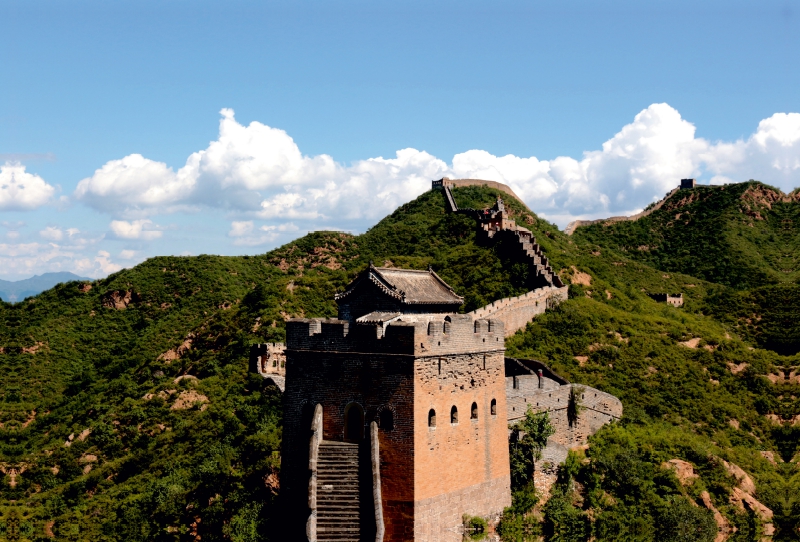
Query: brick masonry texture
(599, 408)
(439, 518)
(413, 368)
(516, 312)
(545, 394)
(268, 359)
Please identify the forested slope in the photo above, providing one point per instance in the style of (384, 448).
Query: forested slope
(128, 414)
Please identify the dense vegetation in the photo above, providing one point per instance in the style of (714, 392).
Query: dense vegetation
(744, 236)
(128, 412)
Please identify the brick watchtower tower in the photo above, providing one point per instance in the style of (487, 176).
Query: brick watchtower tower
(394, 423)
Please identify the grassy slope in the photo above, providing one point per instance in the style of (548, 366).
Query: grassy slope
(162, 473)
(743, 236)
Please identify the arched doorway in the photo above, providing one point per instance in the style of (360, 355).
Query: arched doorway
(353, 423)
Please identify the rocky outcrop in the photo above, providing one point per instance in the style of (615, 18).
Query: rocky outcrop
(119, 299)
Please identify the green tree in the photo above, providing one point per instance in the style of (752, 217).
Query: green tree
(527, 440)
(574, 406)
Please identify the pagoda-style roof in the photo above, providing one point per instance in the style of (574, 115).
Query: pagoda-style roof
(408, 286)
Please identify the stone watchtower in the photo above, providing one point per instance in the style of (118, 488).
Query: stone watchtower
(394, 415)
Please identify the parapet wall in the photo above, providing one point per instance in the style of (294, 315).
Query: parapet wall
(516, 312)
(597, 408)
(676, 300)
(575, 224)
(268, 359)
(453, 334)
(475, 182)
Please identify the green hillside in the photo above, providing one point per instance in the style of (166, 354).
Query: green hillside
(744, 236)
(128, 413)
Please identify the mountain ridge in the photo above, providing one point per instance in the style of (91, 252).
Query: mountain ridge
(16, 290)
(128, 413)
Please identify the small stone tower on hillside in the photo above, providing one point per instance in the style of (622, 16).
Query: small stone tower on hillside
(403, 404)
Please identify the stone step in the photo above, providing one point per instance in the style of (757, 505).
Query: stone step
(340, 511)
(334, 454)
(336, 484)
(327, 512)
(328, 478)
(343, 520)
(331, 511)
(338, 505)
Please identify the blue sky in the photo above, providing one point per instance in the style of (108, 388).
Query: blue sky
(312, 115)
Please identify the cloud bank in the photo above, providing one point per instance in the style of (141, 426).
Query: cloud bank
(258, 172)
(22, 191)
(257, 178)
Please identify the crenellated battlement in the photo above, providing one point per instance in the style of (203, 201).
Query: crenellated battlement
(452, 334)
(516, 312)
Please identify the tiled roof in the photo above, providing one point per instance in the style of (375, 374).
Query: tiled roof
(409, 286)
(378, 317)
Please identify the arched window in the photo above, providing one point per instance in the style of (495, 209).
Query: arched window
(493, 407)
(473, 415)
(431, 418)
(353, 422)
(386, 419)
(454, 414)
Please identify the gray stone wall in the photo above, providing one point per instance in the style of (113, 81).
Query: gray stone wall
(439, 519)
(572, 226)
(268, 359)
(516, 312)
(598, 408)
(453, 334)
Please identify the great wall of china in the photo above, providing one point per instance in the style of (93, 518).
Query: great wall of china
(378, 376)
(575, 224)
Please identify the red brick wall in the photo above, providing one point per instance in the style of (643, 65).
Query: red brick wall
(453, 460)
(440, 473)
(335, 379)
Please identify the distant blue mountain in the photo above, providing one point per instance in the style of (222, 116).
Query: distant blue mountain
(13, 291)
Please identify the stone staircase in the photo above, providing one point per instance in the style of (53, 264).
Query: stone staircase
(536, 257)
(338, 502)
(543, 273)
(533, 254)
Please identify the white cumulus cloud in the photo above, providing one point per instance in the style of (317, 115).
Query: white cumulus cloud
(136, 229)
(258, 172)
(135, 186)
(245, 233)
(51, 233)
(20, 190)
